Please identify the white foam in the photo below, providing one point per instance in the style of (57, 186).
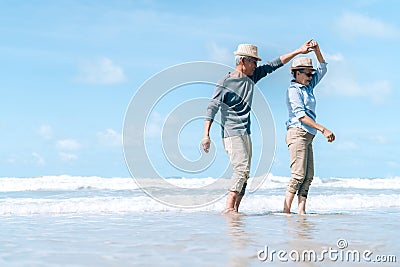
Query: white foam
(251, 204)
(32, 200)
(65, 182)
(324, 203)
(359, 183)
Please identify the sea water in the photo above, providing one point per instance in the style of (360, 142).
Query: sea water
(94, 221)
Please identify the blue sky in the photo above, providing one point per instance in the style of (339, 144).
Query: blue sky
(70, 68)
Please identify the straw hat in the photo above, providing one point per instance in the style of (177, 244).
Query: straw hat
(247, 50)
(302, 63)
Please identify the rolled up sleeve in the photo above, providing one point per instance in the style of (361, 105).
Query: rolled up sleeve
(296, 103)
(215, 103)
(319, 74)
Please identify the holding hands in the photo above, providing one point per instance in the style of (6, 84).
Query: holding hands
(310, 45)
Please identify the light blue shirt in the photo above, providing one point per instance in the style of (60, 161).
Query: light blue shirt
(300, 100)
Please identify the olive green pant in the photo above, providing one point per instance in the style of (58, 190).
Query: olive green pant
(300, 148)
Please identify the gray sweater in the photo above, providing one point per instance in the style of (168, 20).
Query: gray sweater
(234, 96)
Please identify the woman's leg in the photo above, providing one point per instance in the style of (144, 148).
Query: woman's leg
(305, 186)
(297, 145)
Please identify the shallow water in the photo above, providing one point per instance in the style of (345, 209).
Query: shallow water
(92, 221)
(190, 238)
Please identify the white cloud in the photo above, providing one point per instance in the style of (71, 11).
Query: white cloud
(101, 71)
(353, 25)
(11, 160)
(67, 156)
(341, 80)
(39, 159)
(154, 125)
(393, 164)
(377, 91)
(346, 146)
(333, 57)
(45, 131)
(109, 137)
(379, 139)
(158, 124)
(220, 54)
(68, 144)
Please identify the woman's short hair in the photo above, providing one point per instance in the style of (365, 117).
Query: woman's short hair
(294, 73)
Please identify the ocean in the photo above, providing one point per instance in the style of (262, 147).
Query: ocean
(94, 221)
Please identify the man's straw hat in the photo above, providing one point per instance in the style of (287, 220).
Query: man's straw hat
(247, 50)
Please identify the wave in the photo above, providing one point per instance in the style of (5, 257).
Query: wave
(66, 194)
(65, 183)
(70, 183)
(357, 183)
(252, 204)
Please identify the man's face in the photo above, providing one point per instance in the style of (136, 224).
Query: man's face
(304, 76)
(249, 66)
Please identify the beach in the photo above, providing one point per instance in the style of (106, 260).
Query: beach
(94, 221)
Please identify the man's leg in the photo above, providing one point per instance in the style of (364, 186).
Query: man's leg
(249, 153)
(288, 202)
(239, 151)
(239, 197)
(230, 202)
(302, 204)
(237, 202)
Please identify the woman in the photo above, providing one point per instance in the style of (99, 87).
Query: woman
(302, 127)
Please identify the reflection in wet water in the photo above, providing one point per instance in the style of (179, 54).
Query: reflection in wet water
(301, 227)
(241, 241)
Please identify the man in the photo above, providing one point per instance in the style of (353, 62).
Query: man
(233, 95)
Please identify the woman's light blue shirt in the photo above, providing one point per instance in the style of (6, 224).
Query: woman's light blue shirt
(300, 100)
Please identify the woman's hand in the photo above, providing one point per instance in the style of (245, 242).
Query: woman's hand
(329, 135)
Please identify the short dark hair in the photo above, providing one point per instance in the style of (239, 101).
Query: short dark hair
(294, 73)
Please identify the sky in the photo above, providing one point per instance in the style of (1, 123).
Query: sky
(69, 70)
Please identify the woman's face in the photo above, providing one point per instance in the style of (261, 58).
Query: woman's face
(304, 76)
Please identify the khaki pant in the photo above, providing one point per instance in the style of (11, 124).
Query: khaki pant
(300, 148)
(240, 152)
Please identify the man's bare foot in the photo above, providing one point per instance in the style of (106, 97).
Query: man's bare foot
(229, 211)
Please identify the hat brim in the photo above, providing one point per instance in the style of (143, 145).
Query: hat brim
(302, 68)
(245, 54)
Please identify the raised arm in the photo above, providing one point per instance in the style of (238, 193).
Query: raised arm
(304, 49)
(317, 52)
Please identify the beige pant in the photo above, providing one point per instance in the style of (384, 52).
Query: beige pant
(299, 143)
(240, 152)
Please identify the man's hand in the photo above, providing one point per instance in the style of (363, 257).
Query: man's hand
(307, 47)
(329, 135)
(205, 143)
(304, 49)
